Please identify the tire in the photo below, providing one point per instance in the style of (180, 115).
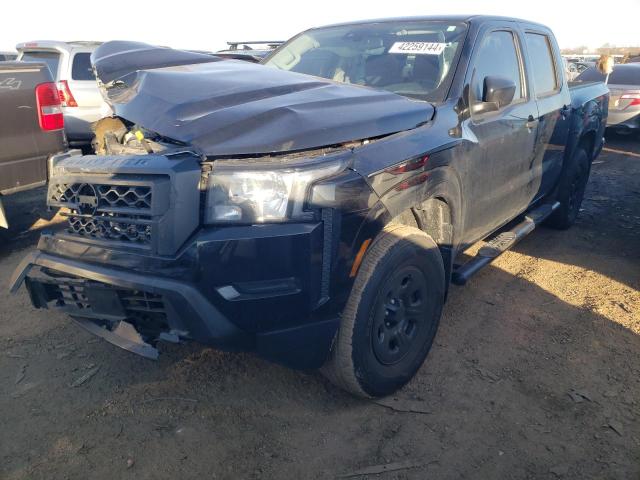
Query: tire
(392, 314)
(571, 191)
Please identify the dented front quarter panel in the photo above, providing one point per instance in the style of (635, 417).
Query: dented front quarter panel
(442, 142)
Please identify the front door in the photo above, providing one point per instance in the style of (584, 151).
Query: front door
(503, 141)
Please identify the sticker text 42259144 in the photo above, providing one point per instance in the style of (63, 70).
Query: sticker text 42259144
(418, 48)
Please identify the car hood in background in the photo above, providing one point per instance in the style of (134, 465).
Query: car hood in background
(231, 107)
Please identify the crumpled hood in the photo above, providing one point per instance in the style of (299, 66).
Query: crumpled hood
(231, 107)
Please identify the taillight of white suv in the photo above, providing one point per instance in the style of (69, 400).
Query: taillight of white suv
(66, 97)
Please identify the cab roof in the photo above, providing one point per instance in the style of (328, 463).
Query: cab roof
(439, 18)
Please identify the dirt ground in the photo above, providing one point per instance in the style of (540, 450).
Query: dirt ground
(535, 373)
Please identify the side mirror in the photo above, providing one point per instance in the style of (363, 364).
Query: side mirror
(497, 92)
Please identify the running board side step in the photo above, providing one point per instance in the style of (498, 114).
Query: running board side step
(502, 242)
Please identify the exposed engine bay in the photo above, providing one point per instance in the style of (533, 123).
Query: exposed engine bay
(115, 136)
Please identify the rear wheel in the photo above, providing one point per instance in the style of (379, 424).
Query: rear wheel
(571, 191)
(392, 314)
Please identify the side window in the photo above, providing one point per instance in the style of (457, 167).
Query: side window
(497, 56)
(542, 63)
(81, 67)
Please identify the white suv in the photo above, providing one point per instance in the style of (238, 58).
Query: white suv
(70, 66)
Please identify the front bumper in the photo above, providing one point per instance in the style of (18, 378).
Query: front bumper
(235, 289)
(88, 297)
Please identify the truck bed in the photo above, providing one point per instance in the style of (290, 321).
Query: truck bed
(582, 92)
(25, 146)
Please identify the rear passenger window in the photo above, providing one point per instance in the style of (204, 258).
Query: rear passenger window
(497, 56)
(81, 67)
(542, 63)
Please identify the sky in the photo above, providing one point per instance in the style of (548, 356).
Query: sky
(202, 25)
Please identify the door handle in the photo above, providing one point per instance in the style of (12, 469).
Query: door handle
(531, 122)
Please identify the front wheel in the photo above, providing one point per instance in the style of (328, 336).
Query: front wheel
(392, 314)
(571, 191)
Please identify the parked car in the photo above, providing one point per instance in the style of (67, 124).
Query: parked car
(313, 209)
(569, 69)
(573, 69)
(70, 65)
(624, 102)
(7, 56)
(31, 126)
(582, 66)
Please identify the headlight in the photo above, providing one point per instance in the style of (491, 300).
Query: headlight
(237, 195)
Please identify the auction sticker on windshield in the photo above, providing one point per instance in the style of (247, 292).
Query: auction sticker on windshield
(418, 48)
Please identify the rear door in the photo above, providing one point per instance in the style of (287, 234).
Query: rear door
(553, 101)
(501, 157)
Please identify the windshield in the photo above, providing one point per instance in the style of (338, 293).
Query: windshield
(411, 58)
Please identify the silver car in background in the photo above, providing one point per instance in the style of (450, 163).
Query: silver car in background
(624, 102)
(70, 66)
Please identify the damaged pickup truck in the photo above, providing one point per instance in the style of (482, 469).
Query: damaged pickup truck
(311, 209)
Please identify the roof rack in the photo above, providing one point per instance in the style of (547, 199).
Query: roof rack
(269, 43)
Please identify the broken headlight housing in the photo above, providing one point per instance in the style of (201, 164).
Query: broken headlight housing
(252, 195)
